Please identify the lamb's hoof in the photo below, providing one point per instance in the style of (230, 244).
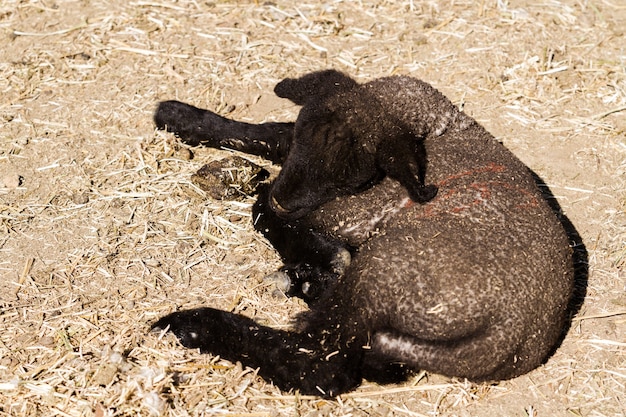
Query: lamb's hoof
(427, 193)
(183, 324)
(341, 261)
(307, 289)
(178, 118)
(281, 282)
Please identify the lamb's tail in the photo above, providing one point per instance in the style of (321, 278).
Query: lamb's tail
(324, 362)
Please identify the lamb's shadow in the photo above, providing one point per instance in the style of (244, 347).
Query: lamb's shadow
(580, 257)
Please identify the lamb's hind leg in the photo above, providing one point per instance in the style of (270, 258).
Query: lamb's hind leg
(487, 355)
(317, 361)
(198, 126)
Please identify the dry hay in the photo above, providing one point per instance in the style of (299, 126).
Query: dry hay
(102, 229)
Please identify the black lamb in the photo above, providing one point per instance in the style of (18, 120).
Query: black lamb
(473, 281)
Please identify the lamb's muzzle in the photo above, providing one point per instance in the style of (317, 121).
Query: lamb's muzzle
(277, 208)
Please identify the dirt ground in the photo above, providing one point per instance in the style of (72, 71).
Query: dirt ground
(102, 230)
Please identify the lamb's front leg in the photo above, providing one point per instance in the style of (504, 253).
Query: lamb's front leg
(198, 126)
(315, 362)
(405, 161)
(313, 261)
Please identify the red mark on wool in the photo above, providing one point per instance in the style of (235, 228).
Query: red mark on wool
(492, 167)
(467, 196)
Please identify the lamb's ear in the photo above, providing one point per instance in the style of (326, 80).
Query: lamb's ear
(318, 84)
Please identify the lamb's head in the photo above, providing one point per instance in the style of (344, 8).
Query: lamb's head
(314, 86)
(327, 159)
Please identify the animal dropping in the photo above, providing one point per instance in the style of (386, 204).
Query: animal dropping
(229, 177)
(419, 241)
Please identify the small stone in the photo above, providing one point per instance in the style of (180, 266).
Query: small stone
(280, 280)
(47, 341)
(12, 181)
(152, 263)
(183, 153)
(105, 374)
(80, 198)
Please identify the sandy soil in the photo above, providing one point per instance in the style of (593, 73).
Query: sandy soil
(102, 231)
